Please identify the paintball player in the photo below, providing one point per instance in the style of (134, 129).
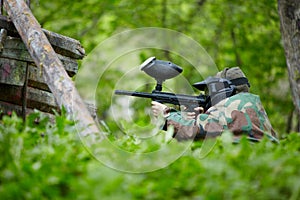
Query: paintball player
(241, 113)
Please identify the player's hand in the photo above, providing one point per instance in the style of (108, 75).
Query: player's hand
(159, 109)
(192, 115)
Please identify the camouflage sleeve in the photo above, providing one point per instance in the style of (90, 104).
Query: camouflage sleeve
(183, 129)
(241, 114)
(191, 129)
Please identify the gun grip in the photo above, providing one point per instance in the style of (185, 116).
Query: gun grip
(191, 108)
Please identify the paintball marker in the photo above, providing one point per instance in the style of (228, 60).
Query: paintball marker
(162, 70)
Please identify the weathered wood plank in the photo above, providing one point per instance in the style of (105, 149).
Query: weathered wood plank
(41, 100)
(14, 48)
(8, 108)
(44, 56)
(36, 79)
(12, 72)
(3, 36)
(63, 45)
(36, 99)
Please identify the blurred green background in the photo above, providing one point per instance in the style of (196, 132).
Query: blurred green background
(42, 159)
(234, 33)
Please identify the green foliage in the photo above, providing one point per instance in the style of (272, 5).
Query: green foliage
(44, 160)
(241, 171)
(39, 160)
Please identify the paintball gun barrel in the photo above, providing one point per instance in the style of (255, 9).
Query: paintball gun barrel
(190, 102)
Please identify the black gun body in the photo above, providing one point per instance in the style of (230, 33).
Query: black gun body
(190, 102)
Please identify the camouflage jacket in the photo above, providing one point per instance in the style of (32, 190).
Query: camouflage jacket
(241, 114)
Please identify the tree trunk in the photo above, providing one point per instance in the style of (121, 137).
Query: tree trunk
(289, 13)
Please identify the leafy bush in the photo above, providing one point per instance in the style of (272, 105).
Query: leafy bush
(46, 160)
(38, 159)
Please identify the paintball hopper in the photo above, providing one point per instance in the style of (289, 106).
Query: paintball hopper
(160, 70)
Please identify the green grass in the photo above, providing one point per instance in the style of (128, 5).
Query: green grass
(43, 160)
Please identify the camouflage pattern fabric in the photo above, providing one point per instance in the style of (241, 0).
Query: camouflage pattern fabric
(241, 114)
